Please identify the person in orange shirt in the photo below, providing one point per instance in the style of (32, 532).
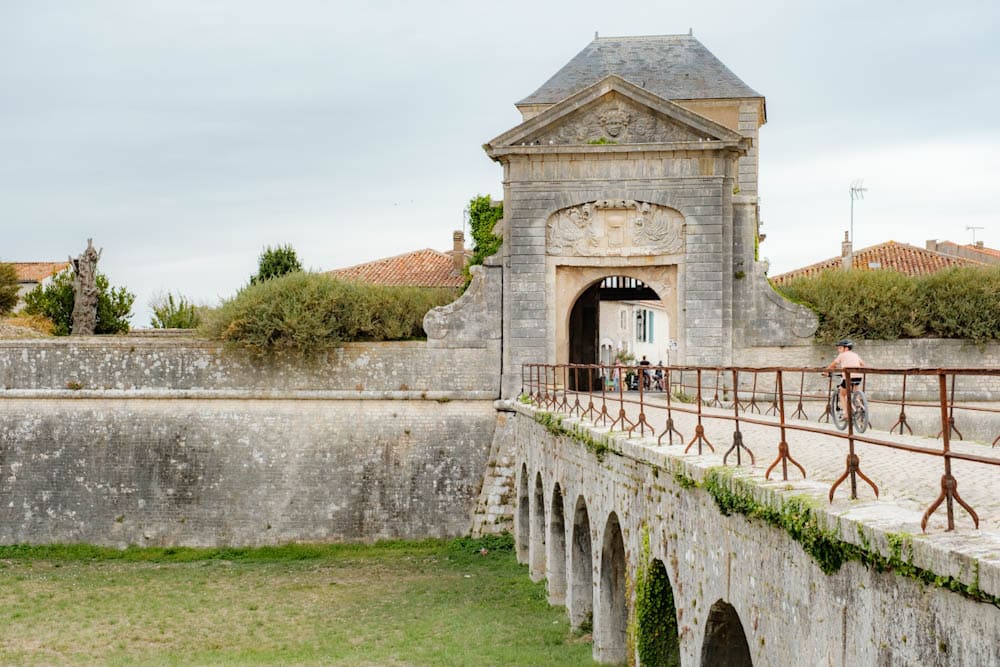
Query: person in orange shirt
(846, 358)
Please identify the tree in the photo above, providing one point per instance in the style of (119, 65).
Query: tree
(275, 262)
(55, 301)
(483, 216)
(8, 288)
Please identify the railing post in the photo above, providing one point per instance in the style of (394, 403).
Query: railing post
(949, 485)
(737, 435)
(783, 455)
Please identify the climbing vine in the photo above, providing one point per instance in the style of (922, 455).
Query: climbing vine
(554, 424)
(799, 518)
(657, 641)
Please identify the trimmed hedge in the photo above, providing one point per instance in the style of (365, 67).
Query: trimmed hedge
(303, 314)
(961, 303)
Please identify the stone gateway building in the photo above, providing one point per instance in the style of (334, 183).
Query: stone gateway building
(634, 176)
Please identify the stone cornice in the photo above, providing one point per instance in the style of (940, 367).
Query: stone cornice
(739, 147)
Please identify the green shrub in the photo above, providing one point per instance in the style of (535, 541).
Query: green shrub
(55, 301)
(303, 314)
(886, 305)
(171, 314)
(276, 262)
(8, 288)
(962, 303)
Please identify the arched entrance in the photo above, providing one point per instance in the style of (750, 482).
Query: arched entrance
(604, 312)
(618, 316)
(725, 642)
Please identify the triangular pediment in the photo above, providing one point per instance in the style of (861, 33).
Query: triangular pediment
(614, 111)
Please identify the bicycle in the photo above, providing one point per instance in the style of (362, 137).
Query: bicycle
(859, 406)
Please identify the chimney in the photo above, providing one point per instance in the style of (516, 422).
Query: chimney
(979, 244)
(847, 253)
(931, 244)
(458, 251)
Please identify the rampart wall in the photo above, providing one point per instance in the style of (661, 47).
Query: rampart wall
(152, 441)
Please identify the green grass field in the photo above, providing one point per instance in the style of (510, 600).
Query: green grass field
(397, 603)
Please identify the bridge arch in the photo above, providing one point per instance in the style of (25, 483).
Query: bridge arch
(725, 641)
(536, 550)
(523, 525)
(580, 591)
(611, 617)
(555, 570)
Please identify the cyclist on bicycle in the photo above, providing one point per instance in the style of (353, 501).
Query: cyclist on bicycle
(846, 358)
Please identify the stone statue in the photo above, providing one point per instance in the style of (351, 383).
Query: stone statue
(85, 291)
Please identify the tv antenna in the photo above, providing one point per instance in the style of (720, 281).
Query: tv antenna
(858, 191)
(973, 228)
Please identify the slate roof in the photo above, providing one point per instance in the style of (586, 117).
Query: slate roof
(902, 257)
(36, 272)
(420, 268)
(674, 67)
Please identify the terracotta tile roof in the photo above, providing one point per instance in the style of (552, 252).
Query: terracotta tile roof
(420, 268)
(902, 257)
(36, 272)
(992, 252)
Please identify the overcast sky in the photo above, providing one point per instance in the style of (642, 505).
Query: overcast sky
(184, 136)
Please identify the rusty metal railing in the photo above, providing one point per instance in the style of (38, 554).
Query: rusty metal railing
(620, 398)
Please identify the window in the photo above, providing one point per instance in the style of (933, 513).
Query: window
(644, 326)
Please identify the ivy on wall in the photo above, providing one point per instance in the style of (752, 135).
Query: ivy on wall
(657, 641)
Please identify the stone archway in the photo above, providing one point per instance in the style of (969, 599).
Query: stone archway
(536, 552)
(619, 240)
(593, 303)
(523, 524)
(725, 641)
(555, 569)
(580, 592)
(611, 619)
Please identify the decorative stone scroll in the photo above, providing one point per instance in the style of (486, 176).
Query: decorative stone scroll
(622, 227)
(615, 120)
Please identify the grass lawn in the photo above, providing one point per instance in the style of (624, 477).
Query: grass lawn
(396, 603)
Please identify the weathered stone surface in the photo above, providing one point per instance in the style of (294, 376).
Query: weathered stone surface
(130, 363)
(790, 611)
(210, 473)
(84, 315)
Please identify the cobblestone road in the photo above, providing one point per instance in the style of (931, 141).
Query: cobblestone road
(905, 479)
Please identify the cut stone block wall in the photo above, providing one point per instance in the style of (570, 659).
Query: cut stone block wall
(248, 472)
(167, 441)
(792, 613)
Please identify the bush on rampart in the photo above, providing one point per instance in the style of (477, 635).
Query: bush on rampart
(55, 301)
(887, 305)
(303, 314)
(8, 288)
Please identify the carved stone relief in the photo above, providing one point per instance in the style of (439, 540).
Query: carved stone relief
(615, 227)
(616, 121)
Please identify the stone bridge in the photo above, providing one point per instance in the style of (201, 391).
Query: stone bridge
(755, 572)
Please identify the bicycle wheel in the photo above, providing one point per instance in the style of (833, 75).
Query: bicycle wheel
(839, 419)
(859, 405)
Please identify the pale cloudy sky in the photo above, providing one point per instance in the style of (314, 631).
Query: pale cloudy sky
(185, 136)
